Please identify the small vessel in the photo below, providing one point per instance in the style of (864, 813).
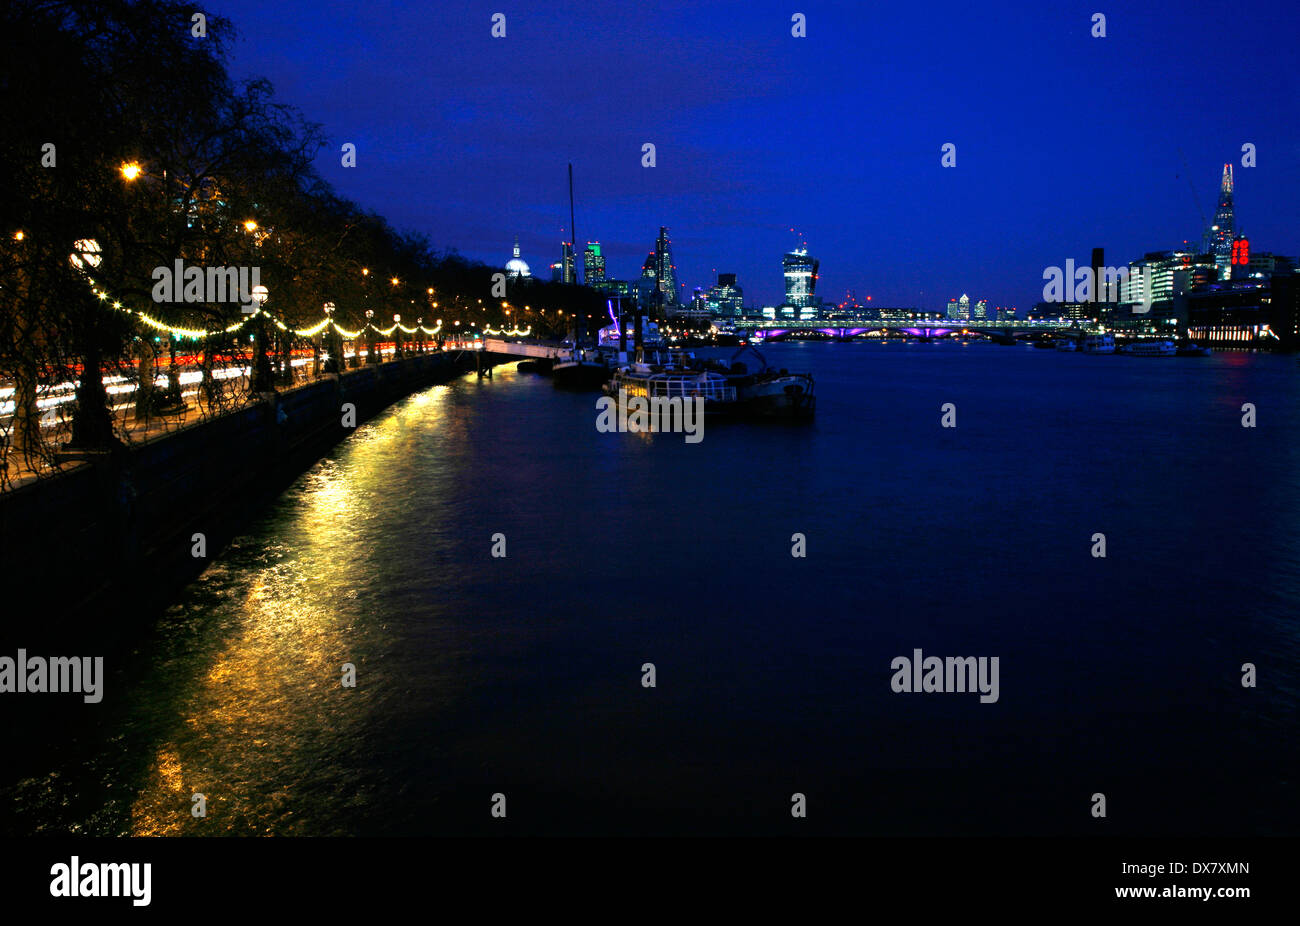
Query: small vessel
(575, 367)
(654, 381)
(767, 392)
(1150, 349)
(1192, 349)
(1067, 345)
(1099, 344)
(580, 368)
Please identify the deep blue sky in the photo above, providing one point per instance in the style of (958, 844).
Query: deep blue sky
(1063, 141)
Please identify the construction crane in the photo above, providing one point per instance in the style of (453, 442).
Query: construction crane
(1205, 226)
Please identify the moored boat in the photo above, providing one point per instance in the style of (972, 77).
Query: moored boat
(579, 368)
(1150, 349)
(1099, 344)
(652, 381)
(767, 392)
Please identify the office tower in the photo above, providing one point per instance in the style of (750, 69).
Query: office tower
(567, 274)
(593, 264)
(726, 298)
(1223, 231)
(800, 272)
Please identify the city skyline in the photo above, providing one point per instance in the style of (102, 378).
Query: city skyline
(571, 422)
(479, 156)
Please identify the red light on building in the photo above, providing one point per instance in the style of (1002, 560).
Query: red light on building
(1241, 252)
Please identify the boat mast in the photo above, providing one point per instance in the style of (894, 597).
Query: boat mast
(573, 251)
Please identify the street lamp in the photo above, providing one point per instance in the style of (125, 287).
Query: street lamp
(261, 381)
(131, 170)
(86, 254)
(372, 355)
(333, 344)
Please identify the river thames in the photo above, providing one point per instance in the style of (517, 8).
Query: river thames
(523, 675)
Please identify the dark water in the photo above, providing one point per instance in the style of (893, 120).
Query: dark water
(522, 675)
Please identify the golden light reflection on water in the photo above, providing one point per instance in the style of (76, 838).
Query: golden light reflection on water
(269, 713)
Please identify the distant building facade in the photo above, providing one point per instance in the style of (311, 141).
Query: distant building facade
(593, 264)
(726, 298)
(516, 267)
(800, 272)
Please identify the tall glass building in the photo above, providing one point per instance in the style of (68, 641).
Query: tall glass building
(593, 264)
(567, 274)
(1223, 232)
(960, 308)
(800, 279)
(659, 269)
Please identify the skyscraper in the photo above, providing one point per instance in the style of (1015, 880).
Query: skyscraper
(800, 272)
(1223, 232)
(659, 275)
(567, 274)
(593, 264)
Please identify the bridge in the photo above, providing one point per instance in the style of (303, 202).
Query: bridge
(996, 329)
(538, 350)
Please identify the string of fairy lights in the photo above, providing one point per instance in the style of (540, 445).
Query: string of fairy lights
(327, 322)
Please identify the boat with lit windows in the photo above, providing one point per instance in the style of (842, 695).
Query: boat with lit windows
(1150, 349)
(1099, 344)
(671, 381)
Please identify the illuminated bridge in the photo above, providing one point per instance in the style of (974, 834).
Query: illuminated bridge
(996, 329)
(535, 349)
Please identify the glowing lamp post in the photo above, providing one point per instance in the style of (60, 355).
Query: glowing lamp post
(92, 423)
(86, 255)
(333, 343)
(262, 378)
(372, 354)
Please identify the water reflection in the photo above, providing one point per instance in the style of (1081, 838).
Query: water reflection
(266, 725)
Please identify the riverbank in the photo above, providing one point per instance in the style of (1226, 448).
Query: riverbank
(110, 542)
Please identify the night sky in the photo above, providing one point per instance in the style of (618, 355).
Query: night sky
(1064, 141)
